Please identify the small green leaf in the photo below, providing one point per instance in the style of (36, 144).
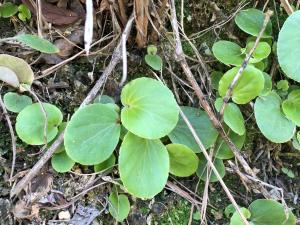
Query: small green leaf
(183, 161)
(119, 206)
(215, 79)
(151, 50)
(30, 123)
(268, 85)
(150, 110)
(61, 162)
(202, 169)
(282, 85)
(236, 218)
(229, 211)
(288, 172)
(270, 119)
(9, 77)
(107, 164)
(232, 116)
(196, 216)
(24, 12)
(202, 125)
(16, 103)
(248, 87)
(92, 134)
(288, 49)
(104, 99)
(295, 142)
(291, 106)
(228, 53)
(154, 61)
(37, 43)
(251, 21)
(143, 166)
(261, 52)
(8, 9)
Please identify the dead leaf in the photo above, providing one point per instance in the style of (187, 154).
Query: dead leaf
(64, 46)
(9, 77)
(104, 5)
(54, 14)
(141, 18)
(84, 215)
(23, 211)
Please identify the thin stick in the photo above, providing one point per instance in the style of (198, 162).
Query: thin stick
(88, 26)
(116, 57)
(124, 57)
(287, 7)
(13, 140)
(238, 75)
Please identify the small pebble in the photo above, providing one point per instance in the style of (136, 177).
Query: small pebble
(64, 215)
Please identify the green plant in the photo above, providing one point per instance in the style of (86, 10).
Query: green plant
(9, 9)
(152, 59)
(15, 102)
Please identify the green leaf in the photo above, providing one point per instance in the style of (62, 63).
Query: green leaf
(24, 12)
(104, 99)
(295, 142)
(268, 85)
(151, 50)
(270, 119)
(248, 87)
(222, 150)
(283, 85)
(291, 107)
(107, 164)
(236, 218)
(288, 172)
(251, 21)
(183, 161)
(288, 49)
(16, 103)
(228, 53)
(92, 134)
(229, 211)
(150, 110)
(31, 120)
(61, 162)
(143, 166)
(232, 116)
(37, 43)
(202, 169)
(261, 52)
(215, 79)
(119, 206)
(19, 67)
(196, 216)
(8, 9)
(61, 147)
(154, 61)
(202, 125)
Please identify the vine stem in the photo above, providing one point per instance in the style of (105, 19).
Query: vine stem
(116, 57)
(238, 75)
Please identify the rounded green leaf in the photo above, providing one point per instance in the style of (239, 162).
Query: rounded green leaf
(31, 120)
(104, 99)
(291, 107)
(92, 134)
(151, 50)
(107, 164)
(143, 166)
(150, 110)
(24, 12)
(228, 53)
(202, 125)
(268, 85)
(154, 61)
(183, 161)
(61, 147)
(270, 119)
(19, 66)
(61, 162)
(251, 21)
(261, 52)
(288, 49)
(202, 169)
(222, 150)
(232, 116)
(37, 43)
(236, 218)
(16, 103)
(119, 206)
(248, 87)
(8, 9)
(283, 85)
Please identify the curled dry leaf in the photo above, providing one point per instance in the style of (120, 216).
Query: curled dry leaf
(21, 69)
(64, 46)
(23, 211)
(9, 77)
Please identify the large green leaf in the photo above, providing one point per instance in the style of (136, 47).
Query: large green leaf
(150, 110)
(143, 166)
(37, 43)
(261, 52)
(183, 161)
(201, 123)
(232, 116)
(248, 87)
(16, 103)
(223, 151)
(61, 162)
(270, 119)
(119, 206)
(202, 169)
(251, 22)
(291, 106)
(288, 48)
(31, 120)
(92, 134)
(228, 53)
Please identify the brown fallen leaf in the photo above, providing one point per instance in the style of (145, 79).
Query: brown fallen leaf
(64, 46)
(23, 211)
(141, 18)
(54, 14)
